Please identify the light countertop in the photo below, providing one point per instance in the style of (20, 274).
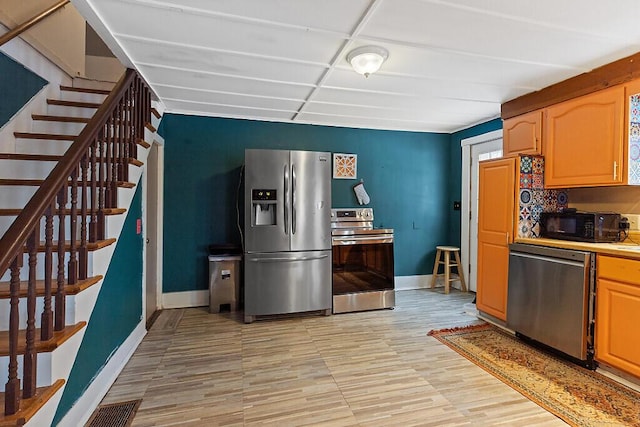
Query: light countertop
(625, 250)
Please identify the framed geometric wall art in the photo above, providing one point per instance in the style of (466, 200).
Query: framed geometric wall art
(345, 166)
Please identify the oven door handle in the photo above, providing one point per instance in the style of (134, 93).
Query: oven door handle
(286, 259)
(360, 240)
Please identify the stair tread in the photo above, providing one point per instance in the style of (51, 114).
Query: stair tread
(59, 337)
(106, 211)
(85, 90)
(68, 119)
(74, 289)
(38, 157)
(48, 136)
(29, 407)
(38, 182)
(51, 158)
(73, 103)
(91, 246)
(143, 143)
(155, 113)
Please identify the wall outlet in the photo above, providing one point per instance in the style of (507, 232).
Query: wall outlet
(634, 221)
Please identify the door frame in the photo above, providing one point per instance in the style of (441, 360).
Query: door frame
(153, 204)
(465, 238)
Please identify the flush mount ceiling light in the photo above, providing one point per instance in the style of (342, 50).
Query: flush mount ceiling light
(367, 59)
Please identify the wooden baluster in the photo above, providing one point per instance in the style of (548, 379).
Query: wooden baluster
(101, 184)
(46, 328)
(60, 291)
(113, 200)
(94, 225)
(128, 102)
(72, 267)
(147, 109)
(122, 130)
(12, 388)
(139, 134)
(117, 162)
(83, 252)
(108, 141)
(30, 356)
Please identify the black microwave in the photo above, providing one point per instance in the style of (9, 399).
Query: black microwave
(581, 226)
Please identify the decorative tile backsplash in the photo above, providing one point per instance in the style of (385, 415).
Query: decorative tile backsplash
(634, 140)
(534, 199)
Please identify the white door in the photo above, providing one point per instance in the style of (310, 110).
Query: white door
(482, 147)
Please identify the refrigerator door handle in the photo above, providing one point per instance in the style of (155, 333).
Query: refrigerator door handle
(286, 199)
(293, 199)
(281, 259)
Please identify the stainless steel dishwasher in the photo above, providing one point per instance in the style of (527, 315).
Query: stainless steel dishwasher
(551, 299)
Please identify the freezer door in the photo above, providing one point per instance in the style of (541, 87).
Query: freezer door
(310, 200)
(267, 170)
(288, 282)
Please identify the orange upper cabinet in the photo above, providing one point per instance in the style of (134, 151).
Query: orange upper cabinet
(522, 134)
(584, 140)
(496, 203)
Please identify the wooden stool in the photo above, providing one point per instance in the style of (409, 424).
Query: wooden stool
(447, 265)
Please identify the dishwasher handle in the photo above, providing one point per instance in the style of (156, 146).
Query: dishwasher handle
(548, 259)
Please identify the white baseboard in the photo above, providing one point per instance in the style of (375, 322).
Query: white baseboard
(81, 411)
(405, 283)
(201, 298)
(185, 299)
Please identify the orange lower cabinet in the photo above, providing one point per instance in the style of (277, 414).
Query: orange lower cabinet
(617, 341)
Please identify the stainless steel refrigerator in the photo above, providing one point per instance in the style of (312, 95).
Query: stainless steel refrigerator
(287, 259)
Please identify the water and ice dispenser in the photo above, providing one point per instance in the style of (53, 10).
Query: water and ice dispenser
(263, 207)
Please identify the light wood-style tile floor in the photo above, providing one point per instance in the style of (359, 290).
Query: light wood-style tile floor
(376, 368)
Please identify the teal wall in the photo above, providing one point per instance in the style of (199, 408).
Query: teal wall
(455, 182)
(406, 174)
(17, 86)
(117, 312)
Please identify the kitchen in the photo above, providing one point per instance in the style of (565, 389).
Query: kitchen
(412, 175)
(384, 172)
(554, 211)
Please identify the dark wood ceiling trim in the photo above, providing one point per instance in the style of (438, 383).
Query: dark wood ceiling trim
(620, 71)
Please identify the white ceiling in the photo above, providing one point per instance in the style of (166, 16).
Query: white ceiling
(451, 62)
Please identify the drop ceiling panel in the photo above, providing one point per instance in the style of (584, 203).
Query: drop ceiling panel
(377, 123)
(198, 79)
(226, 111)
(599, 18)
(223, 63)
(425, 89)
(212, 97)
(420, 112)
(304, 13)
(216, 32)
(450, 68)
(437, 24)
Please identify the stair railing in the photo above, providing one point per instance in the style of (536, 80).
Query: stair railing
(31, 22)
(77, 192)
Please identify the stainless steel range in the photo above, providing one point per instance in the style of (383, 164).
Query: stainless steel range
(363, 274)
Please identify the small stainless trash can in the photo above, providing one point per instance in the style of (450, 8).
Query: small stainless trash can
(224, 283)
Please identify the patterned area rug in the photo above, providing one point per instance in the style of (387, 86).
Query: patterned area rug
(578, 396)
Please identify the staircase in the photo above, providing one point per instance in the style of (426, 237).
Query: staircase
(64, 193)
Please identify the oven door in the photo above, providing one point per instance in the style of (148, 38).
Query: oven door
(363, 273)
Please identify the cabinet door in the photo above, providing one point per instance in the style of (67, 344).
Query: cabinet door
(522, 134)
(497, 188)
(583, 140)
(618, 313)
